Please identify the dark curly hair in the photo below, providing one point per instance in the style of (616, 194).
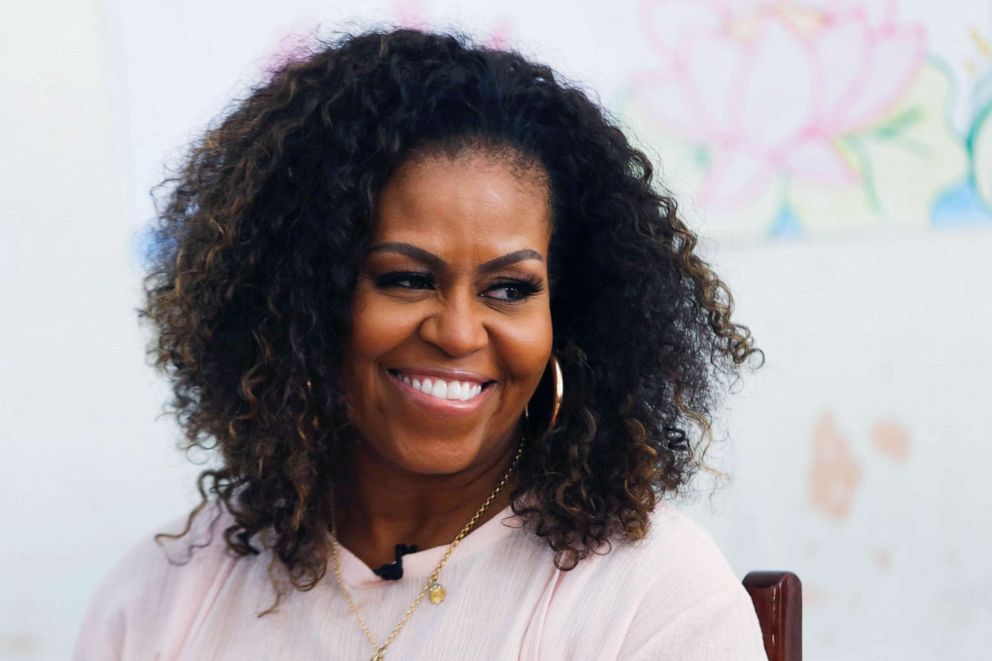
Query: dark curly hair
(259, 241)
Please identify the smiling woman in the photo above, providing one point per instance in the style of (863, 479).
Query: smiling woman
(418, 294)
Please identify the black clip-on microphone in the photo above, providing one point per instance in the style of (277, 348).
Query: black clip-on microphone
(393, 571)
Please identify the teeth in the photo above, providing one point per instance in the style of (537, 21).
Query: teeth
(440, 389)
(452, 390)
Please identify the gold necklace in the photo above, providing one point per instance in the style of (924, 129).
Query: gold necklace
(432, 588)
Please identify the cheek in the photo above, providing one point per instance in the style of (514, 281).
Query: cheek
(526, 347)
(376, 328)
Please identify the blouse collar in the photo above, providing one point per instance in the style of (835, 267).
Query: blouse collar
(419, 565)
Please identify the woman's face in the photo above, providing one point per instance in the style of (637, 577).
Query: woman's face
(451, 326)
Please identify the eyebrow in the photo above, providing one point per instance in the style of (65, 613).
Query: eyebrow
(433, 261)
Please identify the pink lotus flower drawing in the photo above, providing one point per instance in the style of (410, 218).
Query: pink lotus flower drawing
(769, 88)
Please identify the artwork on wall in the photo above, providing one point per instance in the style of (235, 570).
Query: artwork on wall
(811, 118)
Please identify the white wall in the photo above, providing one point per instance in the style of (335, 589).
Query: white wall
(859, 452)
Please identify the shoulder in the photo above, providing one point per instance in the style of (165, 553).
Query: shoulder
(679, 552)
(676, 554)
(692, 605)
(670, 595)
(135, 604)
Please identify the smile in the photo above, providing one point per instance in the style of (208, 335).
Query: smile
(443, 394)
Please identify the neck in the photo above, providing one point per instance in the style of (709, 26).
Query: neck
(423, 510)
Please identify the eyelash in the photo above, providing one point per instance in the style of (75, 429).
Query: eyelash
(526, 286)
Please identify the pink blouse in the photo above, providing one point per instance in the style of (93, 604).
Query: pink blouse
(669, 596)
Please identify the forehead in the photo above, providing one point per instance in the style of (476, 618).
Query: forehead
(471, 204)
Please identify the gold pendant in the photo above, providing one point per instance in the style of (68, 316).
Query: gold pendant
(379, 655)
(436, 593)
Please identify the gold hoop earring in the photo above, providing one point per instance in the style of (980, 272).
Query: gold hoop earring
(559, 392)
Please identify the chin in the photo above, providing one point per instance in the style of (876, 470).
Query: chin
(436, 456)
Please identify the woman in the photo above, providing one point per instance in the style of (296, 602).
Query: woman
(451, 349)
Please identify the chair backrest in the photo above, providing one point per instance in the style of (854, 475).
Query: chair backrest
(777, 598)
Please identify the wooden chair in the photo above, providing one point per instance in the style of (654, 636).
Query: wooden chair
(777, 598)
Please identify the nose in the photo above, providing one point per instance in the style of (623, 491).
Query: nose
(456, 326)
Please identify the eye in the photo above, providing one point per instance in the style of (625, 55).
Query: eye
(406, 280)
(512, 290)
